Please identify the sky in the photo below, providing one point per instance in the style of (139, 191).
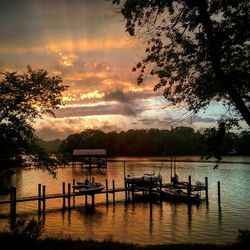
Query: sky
(85, 43)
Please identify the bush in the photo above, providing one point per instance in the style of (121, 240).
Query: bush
(244, 237)
(25, 227)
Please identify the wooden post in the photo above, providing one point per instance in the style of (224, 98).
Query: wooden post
(69, 196)
(133, 191)
(206, 188)
(160, 189)
(113, 184)
(150, 189)
(13, 202)
(44, 199)
(219, 200)
(39, 197)
(107, 195)
(124, 169)
(171, 169)
(86, 200)
(93, 200)
(175, 166)
(74, 182)
(126, 189)
(63, 192)
(189, 188)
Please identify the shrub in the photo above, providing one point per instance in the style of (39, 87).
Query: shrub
(27, 227)
(244, 237)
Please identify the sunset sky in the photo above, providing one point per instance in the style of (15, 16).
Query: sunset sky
(87, 45)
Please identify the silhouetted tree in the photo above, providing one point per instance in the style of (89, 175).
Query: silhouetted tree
(244, 143)
(155, 142)
(198, 49)
(23, 98)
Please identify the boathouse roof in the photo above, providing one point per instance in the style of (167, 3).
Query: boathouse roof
(89, 152)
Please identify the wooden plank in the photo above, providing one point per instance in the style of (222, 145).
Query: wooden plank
(66, 195)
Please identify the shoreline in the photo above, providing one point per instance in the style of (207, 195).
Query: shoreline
(10, 241)
(180, 160)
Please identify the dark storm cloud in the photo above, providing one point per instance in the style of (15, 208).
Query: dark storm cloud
(127, 97)
(117, 95)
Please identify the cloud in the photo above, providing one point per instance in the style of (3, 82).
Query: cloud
(93, 55)
(28, 21)
(149, 121)
(98, 109)
(58, 128)
(117, 95)
(196, 118)
(67, 60)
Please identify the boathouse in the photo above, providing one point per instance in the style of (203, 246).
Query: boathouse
(90, 158)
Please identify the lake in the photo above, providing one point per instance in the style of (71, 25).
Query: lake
(143, 222)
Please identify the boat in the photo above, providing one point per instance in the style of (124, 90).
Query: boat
(88, 187)
(145, 179)
(178, 195)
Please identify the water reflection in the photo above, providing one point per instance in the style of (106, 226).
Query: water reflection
(189, 206)
(150, 219)
(142, 222)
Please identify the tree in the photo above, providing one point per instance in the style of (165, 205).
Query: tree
(23, 98)
(87, 139)
(198, 49)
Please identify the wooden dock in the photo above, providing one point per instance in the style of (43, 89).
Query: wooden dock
(129, 190)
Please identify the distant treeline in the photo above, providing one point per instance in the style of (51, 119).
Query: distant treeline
(152, 142)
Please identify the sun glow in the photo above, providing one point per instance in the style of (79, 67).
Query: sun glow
(92, 95)
(85, 45)
(67, 60)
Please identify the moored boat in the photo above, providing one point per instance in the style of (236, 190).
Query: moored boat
(145, 179)
(88, 187)
(178, 195)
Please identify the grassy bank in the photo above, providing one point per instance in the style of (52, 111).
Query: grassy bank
(8, 241)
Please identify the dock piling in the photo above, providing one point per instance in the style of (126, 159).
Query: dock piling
(126, 189)
(219, 200)
(150, 189)
(74, 182)
(113, 184)
(39, 197)
(13, 202)
(189, 188)
(160, 190)
(86, 200)
(206, 188)
(124, 169)
(69, 196)
(63, 193)
(44, 198)
(107, 195)
(133, 191)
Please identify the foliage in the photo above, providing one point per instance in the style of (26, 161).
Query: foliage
(23, 98)
(244, 237)
(66, 243)
(49, 146)
(25, 227)
(199, 50)
(155, 142)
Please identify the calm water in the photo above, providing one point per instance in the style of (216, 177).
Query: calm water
(155, 223)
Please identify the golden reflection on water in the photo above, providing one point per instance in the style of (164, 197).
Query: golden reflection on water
(142, 222)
